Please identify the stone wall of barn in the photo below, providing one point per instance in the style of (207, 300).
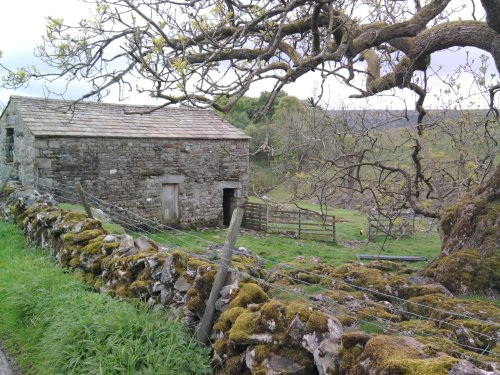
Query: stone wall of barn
(131, 172)
(24, 152)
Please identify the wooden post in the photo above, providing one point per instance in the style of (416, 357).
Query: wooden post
(260, 218)
(333, 228)
(299, 223)
(203, 332)
(267, 217)
(369, 228)
(83, 200)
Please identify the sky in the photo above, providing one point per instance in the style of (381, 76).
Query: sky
(22, 23)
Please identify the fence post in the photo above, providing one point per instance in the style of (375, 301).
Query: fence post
(369, 228)
(267, 217)
(333, 228)
(83, 200)
(260, 218)
(203, 332)
(299, 223)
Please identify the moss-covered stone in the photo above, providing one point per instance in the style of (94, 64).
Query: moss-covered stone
(87, 235)
(401, 355)
(353, 338)
(72, 217)
(110, 246)
(234, 366)
(361, 275)
(274, 311)
(99, 283)
(91, 224)
(227, 319)
(247, 294)
(439, 305)
(317, 322)
(94, 246)
(96, 267)
(348, 359)
(247, 323)
(68, 237)
(198, 294)
(300, 309)
(270, 359)
(122, 290)
(74, 262)
(140, 288)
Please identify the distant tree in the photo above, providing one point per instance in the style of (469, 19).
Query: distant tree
(246, 114)
(340, 155)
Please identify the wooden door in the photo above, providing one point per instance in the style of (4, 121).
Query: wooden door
(170, 204)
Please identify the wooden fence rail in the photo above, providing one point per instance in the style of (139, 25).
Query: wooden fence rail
(300, 223)
(398, 225)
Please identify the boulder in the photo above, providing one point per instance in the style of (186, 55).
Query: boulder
(400, 355)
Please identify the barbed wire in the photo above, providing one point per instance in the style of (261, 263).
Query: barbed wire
(141, 220)
(138, 223)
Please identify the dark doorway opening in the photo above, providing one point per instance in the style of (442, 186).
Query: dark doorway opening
(228, 205)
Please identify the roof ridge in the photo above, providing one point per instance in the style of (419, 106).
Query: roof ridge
(91, 102)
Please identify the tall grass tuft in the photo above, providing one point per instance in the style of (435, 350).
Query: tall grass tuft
(57, 326)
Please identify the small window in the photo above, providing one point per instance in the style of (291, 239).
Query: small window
(9, 146)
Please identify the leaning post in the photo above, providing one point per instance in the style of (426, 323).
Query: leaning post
(83, 200)
(203, 333)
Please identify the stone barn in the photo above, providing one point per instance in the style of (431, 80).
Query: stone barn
(183, 167)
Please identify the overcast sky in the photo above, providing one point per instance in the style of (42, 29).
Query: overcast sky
(22, 22)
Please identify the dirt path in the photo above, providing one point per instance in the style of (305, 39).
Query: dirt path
(7, 365)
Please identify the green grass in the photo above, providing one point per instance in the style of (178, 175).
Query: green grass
(481, 298)
(278, 248)
(56, 325)
(348, 225)
(371, 328)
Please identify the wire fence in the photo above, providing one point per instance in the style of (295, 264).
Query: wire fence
(200, 247)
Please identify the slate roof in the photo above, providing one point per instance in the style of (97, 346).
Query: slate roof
(49, 117)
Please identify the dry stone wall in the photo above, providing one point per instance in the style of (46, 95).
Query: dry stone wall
(253, 333)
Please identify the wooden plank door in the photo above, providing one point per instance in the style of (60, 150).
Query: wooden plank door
(170, 204)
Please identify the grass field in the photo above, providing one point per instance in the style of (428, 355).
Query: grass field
(56, 325)
(278, 248)
(284, 249)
